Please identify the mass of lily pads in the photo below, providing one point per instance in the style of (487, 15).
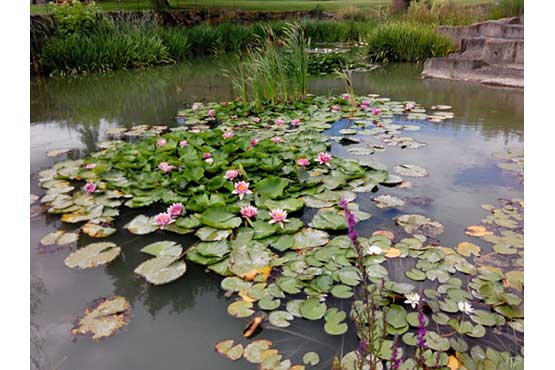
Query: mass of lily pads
(267, 200)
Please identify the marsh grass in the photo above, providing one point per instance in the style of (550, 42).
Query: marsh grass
(406, 42)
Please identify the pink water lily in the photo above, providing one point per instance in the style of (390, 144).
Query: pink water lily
(324, 158)
(279, 216)
(183, 143)
(249, 212)
(161, 142)
(296, 122)
(231, 174)
(365, 102)
(196, 106)
(162, 220)
(90, 166)
(165, 167)
(410, 106)
(256, 120)
(211, 113)
(363, 107)
(336, 108)
(303, 162)
(209, 160)
(90, 187)
(254, 142)
(241, 188)
(206, 155)
(279, 121)
(234, 116)
(175, 210)
(346, 97)
(228, 135)
(376, 111)
(276, 140)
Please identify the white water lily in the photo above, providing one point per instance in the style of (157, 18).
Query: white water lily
(412, 299)
(373, 250)
(465, 307)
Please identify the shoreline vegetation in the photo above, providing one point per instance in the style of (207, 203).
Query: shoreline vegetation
(80, 39)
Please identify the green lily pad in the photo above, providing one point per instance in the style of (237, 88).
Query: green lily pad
(235, 284)
(272, 186)
(309, 238)
(312, 309)
(220, 218)
(342, 291)
(163, 248)
(254, 350)
(141, 225)
(240, 309)
(161, 270)
(328, 220)
(410, 170)
(334, 322)
(209, 234)
(311, 358)
(92, 255)
(280, 318)
(388, 201)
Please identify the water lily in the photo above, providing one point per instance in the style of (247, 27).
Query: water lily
(183, 143)
(234, 116)
(336, 108)
(211, 113)
(376, 111)
(196, 106)
(324, 158)
(410, 106)
(363, 107)
(165, 167)
(161, 142)
(346, 97)
(241, 188)
(256, 120)
(175, 210)
(162, 220)
(254, 142)
(279, 121)
(279, 216)
(373, 250)
(90, 187)
(206, 155)
(231, 174)
(465, 307)
(194, 130)
(413, 299)
(365, 102)
(228, 135)
(90, 166)
(209, 160)
(276, 140)
(303, 162)
(249, 212)
(296, 122)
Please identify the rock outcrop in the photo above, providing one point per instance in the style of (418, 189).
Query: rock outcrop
(490, 52)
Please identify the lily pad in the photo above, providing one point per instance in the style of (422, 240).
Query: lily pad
(141, 225)
(104, 319)
(220, 218)
(240, 309)
(410, 170)
(280, 318)
(253, 351)
(209, 234)
(226, 348)
(312, 309)
(418, 224)
(161, 270)
(309, 238)
(92, 255)
(387, 201)
(311, 358)
(163, 248)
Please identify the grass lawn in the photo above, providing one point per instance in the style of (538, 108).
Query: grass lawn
(269, 5)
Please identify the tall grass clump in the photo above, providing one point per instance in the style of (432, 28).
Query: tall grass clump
(276, 70)
(106, 49)
(507, 8)
(406, 42)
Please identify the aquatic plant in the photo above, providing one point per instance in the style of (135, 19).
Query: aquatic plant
(406, 42)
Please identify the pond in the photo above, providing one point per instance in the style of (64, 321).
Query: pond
(177, 325)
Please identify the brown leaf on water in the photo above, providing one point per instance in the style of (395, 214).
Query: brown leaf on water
(477, 231)
(453, 363)
(104, 318)
(392, 253)
(253, 326)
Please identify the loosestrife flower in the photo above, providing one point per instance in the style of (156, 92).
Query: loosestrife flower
(212, 113)
(228, 135)
(336, 108)
(165, 167)
(421, 332)
(183, 143)
(412, 299)
(303, 162)
(395, 360)
(324, 158)
(90, 187)
(362, 345)
(376, 111)
(276, 140)
(249, 212)
(231, 174)
(241, 188)
(90, 166)
(279, 216)
(161, 142)
(465, 307)
(296, 122)
(162, 220)
(175, 210)
(279, 121)
(256, 120)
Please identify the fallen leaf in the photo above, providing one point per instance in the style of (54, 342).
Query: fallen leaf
(252, 326)
(477, 231)
(392, 253)
(387, 234)
(467, 249)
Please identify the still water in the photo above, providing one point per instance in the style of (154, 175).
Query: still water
(175, 326)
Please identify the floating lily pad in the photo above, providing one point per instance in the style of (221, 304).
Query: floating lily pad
(309, 238)
(418, 224)
(161, 270)
(312, 309)
(141, 225)
(207, 233)
(226, 348)
(95, 230)
(410, 170)
(311, 358)
(386, 201)
(163, 248)
(220, 218)
(92, 255)
(467, 249)
(240, 309)
(59, 237)
(253, 351)
(280, 318)
(104, 319)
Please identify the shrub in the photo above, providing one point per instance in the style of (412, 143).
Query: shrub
(406, 42)
(77, 17)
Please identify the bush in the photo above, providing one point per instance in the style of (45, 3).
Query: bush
(77, 17)
(406, 42)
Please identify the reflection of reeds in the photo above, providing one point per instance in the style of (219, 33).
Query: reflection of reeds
(276, 70)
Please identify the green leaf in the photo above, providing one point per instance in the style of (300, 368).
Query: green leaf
(272, 186)
(92, 255)
(220, 218)
(161, 270)
(312, 309)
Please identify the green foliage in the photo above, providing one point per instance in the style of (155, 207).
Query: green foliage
(442, 12)
(77, 17)
(507, 8)
(406, 42)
